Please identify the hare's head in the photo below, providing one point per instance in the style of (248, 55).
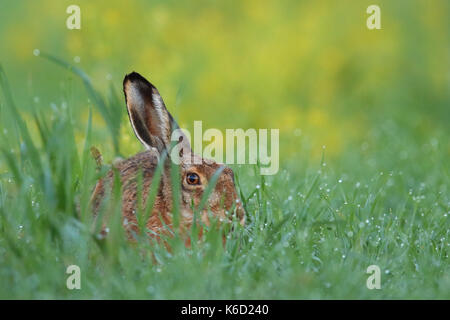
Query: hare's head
(154, 127)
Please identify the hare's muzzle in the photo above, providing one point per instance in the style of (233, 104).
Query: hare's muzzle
(232, 200)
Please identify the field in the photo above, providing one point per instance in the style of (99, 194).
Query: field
(364, 146)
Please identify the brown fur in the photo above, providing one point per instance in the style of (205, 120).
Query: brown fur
(153, 125)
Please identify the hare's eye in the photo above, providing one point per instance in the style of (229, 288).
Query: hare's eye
(192, 178)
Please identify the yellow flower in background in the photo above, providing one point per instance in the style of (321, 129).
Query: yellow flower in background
(312, 66)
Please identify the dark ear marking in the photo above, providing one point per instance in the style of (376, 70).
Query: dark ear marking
(148, 115)
(151, 121)
(139, 126)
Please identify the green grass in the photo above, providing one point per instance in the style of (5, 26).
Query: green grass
(312, 230)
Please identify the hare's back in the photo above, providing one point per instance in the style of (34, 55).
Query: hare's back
(130, 169)
(144, 163)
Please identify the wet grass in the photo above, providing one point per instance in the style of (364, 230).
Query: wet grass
(312, 230)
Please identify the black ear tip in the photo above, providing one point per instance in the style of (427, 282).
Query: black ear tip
(135, 77)
(132, 76)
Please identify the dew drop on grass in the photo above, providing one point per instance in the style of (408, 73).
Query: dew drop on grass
(36, 52)
(77, 59)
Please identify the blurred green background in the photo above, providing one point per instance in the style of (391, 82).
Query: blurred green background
(310, 68)
(379, 100)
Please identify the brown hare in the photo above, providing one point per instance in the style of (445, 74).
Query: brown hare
(153, 125)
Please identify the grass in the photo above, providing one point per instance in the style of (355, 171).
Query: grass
(312, 230)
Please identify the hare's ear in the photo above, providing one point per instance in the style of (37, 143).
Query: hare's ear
(151, 122)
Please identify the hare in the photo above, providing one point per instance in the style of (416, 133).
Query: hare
(153, 126)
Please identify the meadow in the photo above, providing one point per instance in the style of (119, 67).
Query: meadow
(364, 146)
